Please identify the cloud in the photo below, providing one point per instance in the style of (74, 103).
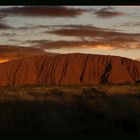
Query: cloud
(108, 13)
(85, 36)
(103, 44)
(90, 36)
(96, 33)
(47, 44)
(2, 15)
(27, 27)
(130, 24)
(4, 26)
(14, 52)
(4, 34)
(85, 30)
(50, 11)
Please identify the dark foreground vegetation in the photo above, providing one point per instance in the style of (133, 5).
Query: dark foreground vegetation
(70, 110)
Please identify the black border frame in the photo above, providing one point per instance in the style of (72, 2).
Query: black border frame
(69, 2)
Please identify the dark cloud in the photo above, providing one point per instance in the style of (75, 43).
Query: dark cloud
(2, 15)
(82, 32)
(90, 31)
(130, 24)
(110, 44)
(87, 36)
(74, 32)
(108, 13)
(90, 36)
(4, 26)
(51, 11)
(14, 52)
(8, 35)
(80, 26)
(47, 44)
(32, 27)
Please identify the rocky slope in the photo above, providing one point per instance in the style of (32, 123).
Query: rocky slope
(66, 69)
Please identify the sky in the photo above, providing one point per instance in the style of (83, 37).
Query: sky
(106, 30)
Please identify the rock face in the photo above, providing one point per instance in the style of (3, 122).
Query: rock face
(67, 69)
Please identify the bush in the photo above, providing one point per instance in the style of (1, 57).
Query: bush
(53, 110)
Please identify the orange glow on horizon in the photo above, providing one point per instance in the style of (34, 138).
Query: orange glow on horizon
(105, 47)
(3, 60)
(99, 47)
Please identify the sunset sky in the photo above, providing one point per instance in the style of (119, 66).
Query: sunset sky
(107, 30)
